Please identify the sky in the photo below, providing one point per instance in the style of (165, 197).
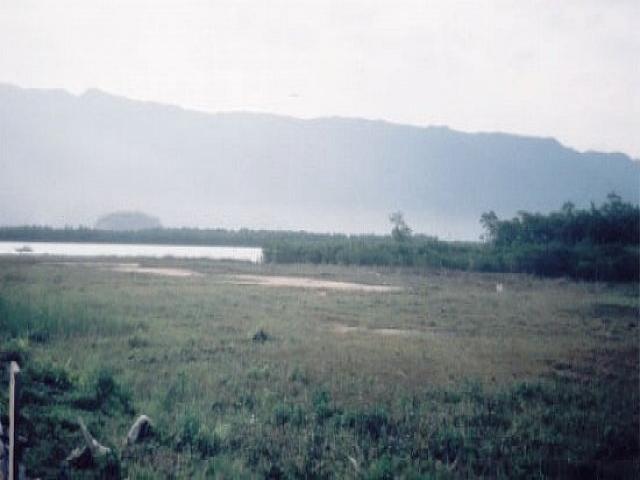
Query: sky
(567, 69)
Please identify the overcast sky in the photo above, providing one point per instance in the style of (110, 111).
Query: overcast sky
(568, 69)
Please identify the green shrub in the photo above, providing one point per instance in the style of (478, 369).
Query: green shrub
(196, 436)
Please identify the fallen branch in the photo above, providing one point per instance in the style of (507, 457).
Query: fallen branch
(97, 449)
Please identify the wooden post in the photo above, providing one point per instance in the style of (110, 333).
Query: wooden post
(14, 384)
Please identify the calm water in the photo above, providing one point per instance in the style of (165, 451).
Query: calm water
(130, 250)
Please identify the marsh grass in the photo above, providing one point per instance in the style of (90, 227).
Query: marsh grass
(39, 322)
(538, 381)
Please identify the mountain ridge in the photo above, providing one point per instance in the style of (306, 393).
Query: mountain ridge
(97, 152)
(98, 92)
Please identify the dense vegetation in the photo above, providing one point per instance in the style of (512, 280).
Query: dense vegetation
(600, 243)
(420, 251)
(614, 222)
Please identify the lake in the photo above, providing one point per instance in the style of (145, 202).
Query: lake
(248, 254)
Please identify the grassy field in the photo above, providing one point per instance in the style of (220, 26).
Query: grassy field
(443, 377)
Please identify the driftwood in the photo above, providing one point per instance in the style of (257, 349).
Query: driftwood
(80, 457)
(14, 391)
(96, 449)
(83, 456)
(140, 429)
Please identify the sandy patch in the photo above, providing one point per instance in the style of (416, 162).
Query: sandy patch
(341, 329)
(395, 332)
(132, 268)
(165, 272)
(303, 282)
(344, 329)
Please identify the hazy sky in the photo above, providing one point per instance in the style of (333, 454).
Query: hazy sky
(568, 69)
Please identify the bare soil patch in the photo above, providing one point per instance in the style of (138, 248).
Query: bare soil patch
(162, 271)
(342, 329)
(305, 282)
(132, 268)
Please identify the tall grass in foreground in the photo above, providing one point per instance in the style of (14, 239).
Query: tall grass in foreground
(40, 322)
(548, 429)
(554, 428)
(51, 399)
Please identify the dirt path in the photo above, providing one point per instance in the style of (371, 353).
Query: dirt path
(304, 282)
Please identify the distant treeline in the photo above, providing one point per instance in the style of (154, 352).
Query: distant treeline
(613, 223)
(615, 262)
(279, 246)
(169, 236)
(598, 243)
(417, 251)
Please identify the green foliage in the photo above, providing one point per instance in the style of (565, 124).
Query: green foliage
(600, 243)
(102, 392)
(19, 318)
(195, 436)
(550, 428)
(613, 223)
(422, 251)
(595, 244)
(49, 409)
(51, 398)
(322, 406)
(401, 231)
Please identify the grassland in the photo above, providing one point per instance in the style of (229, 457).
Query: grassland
(442, 378)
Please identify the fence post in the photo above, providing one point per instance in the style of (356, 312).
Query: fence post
(14, 384)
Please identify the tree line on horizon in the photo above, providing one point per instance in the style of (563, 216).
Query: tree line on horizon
(596, 243)
(614, 222)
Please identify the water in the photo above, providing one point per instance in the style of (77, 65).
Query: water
(248, 254)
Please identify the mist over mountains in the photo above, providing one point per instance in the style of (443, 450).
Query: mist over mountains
(67, 159)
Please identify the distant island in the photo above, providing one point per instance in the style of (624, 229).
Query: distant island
(127, 221)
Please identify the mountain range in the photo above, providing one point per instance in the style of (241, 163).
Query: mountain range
(68, 159)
